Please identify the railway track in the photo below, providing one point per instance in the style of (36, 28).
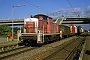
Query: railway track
(10, 49)
(40, 53)
(33, 52)
(8, 46)
(10, 53)
(68, 51)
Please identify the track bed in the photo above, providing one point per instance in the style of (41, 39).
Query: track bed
(39, 53)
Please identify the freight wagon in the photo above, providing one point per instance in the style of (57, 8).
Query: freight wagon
(73, 29)
(65, 31)
(79, 30)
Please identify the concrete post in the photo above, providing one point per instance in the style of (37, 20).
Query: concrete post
(7, 39)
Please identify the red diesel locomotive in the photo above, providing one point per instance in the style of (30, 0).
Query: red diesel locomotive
(41, 29)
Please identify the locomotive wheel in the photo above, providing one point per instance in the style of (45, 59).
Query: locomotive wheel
(26, 44)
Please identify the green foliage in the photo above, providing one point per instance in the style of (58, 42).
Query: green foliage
(5, 30)
(15, 30)
(22, 29)
(85, 31)
(89, 29)
(79, 27)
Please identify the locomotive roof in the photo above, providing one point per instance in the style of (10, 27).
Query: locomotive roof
(42, 15)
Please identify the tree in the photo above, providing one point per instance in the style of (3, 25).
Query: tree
(15, 30)
(5, 30)
(22, 29)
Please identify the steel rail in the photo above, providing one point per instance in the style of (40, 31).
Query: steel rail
(52, 54)
(76, 50)
(11, 53)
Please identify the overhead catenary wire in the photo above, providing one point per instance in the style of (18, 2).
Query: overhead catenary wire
(34, 5)
(40, 8)
(69, 3)
(74, 12)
